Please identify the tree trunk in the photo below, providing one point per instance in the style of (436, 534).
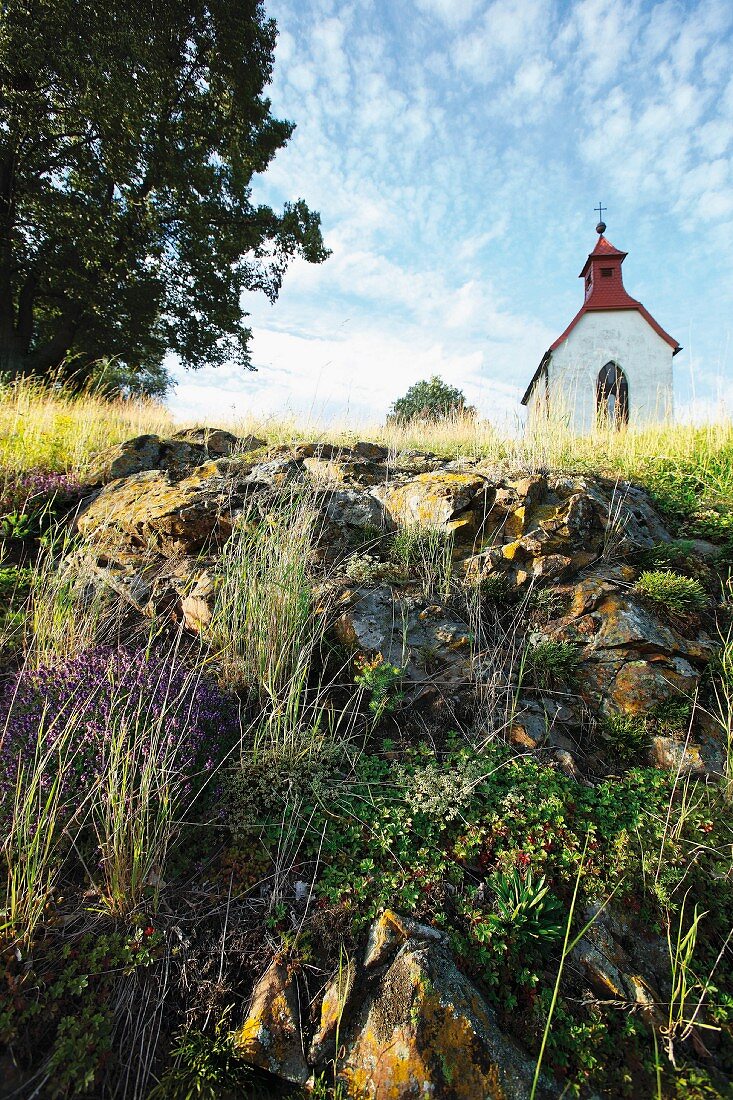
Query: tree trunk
(12, 356)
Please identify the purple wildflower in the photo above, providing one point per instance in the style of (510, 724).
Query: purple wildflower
(141, 699)
(34, 489)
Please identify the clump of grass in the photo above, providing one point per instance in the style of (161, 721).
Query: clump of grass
(426, 553)
(264, 627)
(498, 588)
(671, 590)
(627, 736)
(548, 663)
(525, 908)
(547, 603)
(68, 613)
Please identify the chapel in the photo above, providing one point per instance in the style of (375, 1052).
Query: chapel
(613, 363)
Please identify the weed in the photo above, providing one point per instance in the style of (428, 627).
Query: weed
(381, 681)
(671, 590)
(626, 735)
(547, 603)
(21, 525)
(207, 1067)
(525, 908)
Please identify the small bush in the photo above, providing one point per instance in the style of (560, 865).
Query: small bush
(671, 590)
(441, 791)
(548, 662)
(366, 569)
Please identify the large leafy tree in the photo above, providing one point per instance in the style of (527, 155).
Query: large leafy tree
(130, 134)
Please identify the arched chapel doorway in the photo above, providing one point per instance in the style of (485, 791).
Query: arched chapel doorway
(612, 396)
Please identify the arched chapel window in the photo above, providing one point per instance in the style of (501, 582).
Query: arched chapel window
(612, 396)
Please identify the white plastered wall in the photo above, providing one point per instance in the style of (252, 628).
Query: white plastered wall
(621, 336)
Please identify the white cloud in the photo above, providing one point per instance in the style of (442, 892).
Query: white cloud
(455, 149)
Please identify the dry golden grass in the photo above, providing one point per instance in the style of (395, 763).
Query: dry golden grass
(49, 428)
(46, 427)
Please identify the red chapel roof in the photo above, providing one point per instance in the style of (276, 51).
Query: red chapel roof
(605, 291)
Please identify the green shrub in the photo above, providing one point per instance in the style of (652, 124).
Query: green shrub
(209, 1067)
(671, 590)
(431, 399)
(548, 662)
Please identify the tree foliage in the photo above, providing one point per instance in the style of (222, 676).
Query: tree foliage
(431, 399)
(129, 138)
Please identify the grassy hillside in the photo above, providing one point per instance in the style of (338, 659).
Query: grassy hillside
(179, 805)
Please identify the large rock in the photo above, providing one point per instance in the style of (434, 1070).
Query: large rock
(407, 1023)
(443, 499)
(631, 658)
(155, 513)
(218, 443)
(423, 1029)
(549, 528)
(271, 1035)
(425, 639)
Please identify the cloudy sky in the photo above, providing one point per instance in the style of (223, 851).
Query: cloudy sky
(456, 150)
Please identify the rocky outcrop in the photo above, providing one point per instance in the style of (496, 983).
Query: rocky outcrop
(185, 449)
(407, 1023)
(154, 530)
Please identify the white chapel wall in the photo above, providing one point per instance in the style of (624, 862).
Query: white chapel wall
(626, 338)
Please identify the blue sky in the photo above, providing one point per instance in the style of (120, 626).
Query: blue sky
(455, 150)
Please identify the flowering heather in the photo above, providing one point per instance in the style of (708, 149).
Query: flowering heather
(153, 705)
(34, 489)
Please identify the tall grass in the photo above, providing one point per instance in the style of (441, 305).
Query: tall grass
(264, 627)
(31, 841)
(113, 768)
(49, 427)
(67, 613)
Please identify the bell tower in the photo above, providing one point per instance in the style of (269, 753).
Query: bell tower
(612, 366)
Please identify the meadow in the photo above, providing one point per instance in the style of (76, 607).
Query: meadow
(165, 799)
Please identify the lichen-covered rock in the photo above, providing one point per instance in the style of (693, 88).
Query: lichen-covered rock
(271, 1035)
(550, 528)
(631, 658)
(423, 1029)
(425, 639)
(343, 471)
(453, 501)
(150, 511)
(218, 443)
